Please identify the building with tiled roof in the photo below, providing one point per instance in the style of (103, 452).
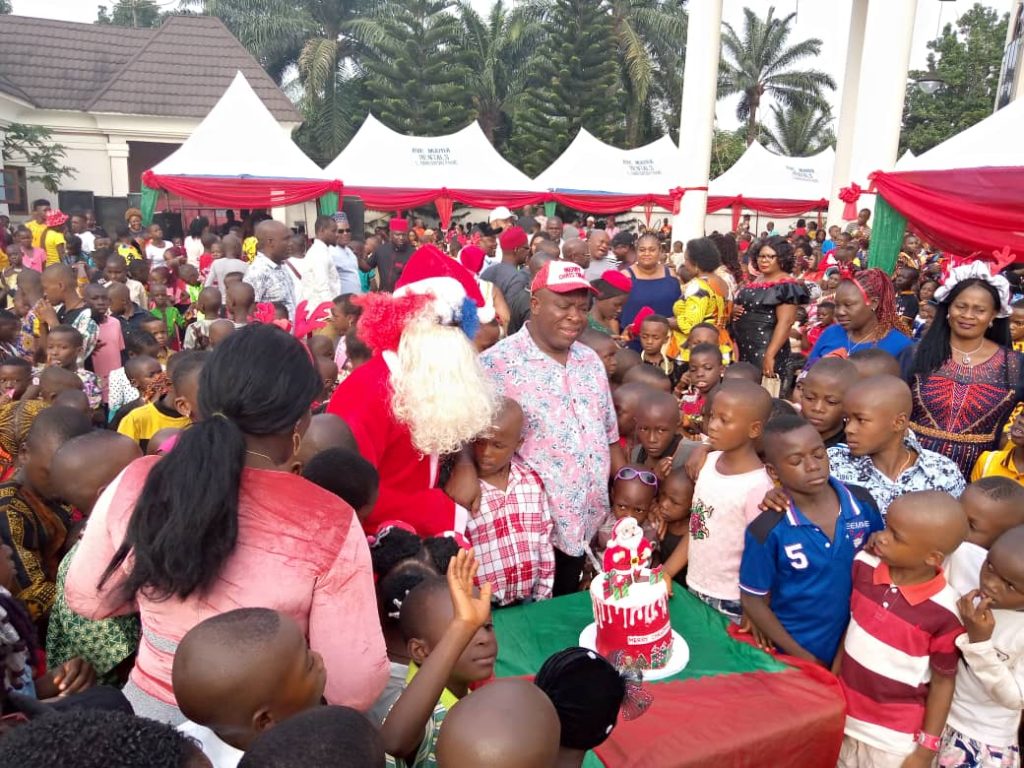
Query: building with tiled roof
(119, 99)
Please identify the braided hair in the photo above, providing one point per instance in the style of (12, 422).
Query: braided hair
(874, 284)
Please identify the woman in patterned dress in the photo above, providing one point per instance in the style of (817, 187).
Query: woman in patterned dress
(964, 376)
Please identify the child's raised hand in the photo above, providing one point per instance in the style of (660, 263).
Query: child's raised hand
(977, 617)
(473, 611)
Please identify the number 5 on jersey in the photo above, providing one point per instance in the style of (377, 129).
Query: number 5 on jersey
(797, 558)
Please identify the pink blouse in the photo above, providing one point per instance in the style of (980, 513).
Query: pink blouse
(300, 550)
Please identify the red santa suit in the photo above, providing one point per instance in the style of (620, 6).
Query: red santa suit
(407, 478)
(364, 400)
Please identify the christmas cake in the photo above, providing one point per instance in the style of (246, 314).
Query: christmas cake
(631, 601)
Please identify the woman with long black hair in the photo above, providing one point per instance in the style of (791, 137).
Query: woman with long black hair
(219, 523)
(964, 376)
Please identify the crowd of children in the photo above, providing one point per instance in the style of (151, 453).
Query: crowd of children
(817, 524)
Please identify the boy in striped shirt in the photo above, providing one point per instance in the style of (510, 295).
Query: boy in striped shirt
(899, 658)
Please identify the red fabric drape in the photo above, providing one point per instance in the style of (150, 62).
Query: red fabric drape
(612, 203)
(737, 209)
(444, 210)
(391, 198)
(766, 205)
(224, 192)
(796, 717)
(961, 210)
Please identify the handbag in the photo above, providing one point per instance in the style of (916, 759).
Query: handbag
(772, 385)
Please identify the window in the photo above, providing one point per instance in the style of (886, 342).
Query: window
(14, 191)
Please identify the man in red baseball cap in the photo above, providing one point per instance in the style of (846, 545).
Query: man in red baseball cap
(572, 437)
(389, 258)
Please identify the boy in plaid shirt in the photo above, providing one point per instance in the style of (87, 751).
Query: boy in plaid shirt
(511, 534)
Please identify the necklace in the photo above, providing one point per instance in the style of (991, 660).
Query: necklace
(261, 455)
(966, 361)
(853, 343)
(906, 464)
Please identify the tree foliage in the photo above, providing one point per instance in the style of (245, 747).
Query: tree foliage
(44, 160)
(574, 84)
(131, 13)
(5, 7)
(967, 58)
(726, 148)
(762, 63)
(416, 67)
(798, 131)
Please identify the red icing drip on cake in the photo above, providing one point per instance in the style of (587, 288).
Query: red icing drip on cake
(637, 624)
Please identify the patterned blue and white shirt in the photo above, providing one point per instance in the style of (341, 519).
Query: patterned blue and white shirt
(931, 472)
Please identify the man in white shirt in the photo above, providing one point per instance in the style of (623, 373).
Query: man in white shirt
(320, 282)
(79, 228)
(599, 245)
(345, 260)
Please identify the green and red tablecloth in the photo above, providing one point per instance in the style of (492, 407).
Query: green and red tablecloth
(733, 705)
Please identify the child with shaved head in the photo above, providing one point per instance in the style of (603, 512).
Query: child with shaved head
(511, 533)
(81, 469)
(881, 454)
(240, 673)
(899, 658)
(731, 484)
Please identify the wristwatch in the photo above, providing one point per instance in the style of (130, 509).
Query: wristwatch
(927, 741)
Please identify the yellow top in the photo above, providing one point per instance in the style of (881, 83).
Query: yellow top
(54, 239)
(145, 421)
(997, 464)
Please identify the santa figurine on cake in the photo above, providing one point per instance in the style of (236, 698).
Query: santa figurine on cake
(628, 552)
(423, 394)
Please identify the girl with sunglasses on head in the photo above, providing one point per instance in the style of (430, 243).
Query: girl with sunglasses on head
(633, 492)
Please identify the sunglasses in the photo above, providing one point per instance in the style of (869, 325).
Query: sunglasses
(346, 229)
(645, 477)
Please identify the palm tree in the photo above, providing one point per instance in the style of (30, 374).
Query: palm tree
(800, 131)
(649, 36)
(761, 64)
(503, 46)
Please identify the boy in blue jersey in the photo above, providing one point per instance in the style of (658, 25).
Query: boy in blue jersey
(796, 572)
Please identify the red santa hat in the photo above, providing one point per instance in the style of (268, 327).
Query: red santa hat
(398, 225)
(428, 265)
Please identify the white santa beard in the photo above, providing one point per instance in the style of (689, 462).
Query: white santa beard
(440, 391)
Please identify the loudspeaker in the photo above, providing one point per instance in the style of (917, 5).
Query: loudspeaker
(74, 201)
(355, 210)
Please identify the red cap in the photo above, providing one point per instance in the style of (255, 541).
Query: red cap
(562, 277)
(472, 258)
(429, 261)
(398, 225)
(512, 238)
(618, 280)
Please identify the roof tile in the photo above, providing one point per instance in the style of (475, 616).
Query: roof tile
(179, 69)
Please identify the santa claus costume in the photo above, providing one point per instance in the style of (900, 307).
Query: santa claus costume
(423, 394)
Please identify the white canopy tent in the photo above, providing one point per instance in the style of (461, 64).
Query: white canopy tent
(994, 142)
(239, 156)
(768, 183)
(391, 171)
(599, 178)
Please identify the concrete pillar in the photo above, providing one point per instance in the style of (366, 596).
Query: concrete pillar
(117, 153)
(697, 121)
(848, 108)
(889, 31)
(8, 194)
